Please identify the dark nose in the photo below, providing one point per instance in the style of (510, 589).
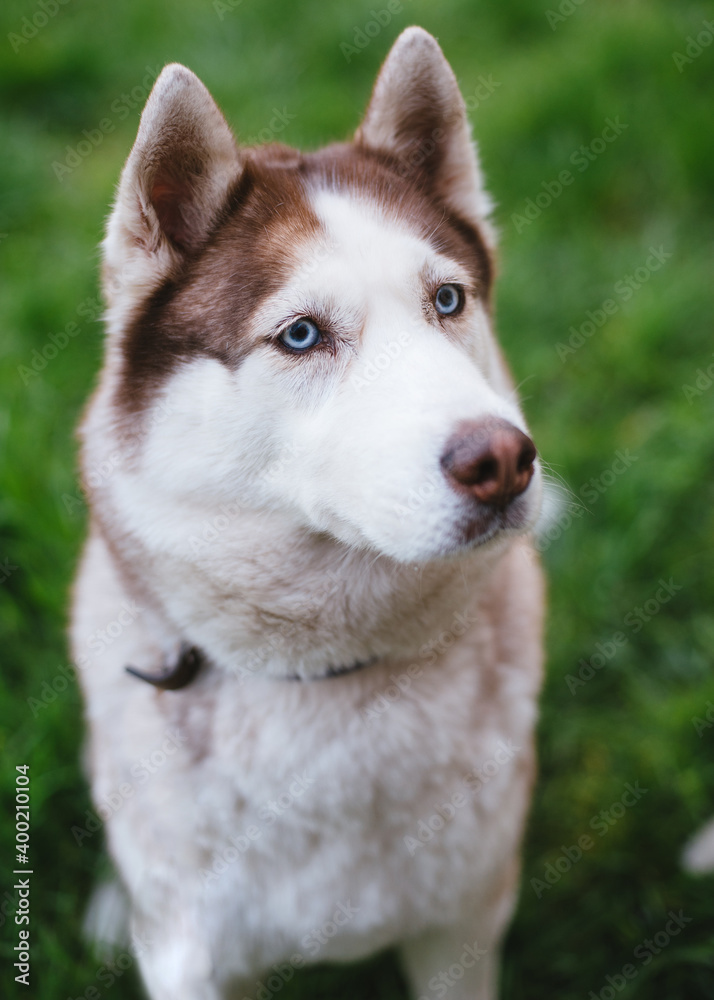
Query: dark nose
(491, 459)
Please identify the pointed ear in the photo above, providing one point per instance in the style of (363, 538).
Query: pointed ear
(417, 114)
(173, 185)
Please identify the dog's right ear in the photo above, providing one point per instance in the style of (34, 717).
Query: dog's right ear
(172, 188)
(417, 114)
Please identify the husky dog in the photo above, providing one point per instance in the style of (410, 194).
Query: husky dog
(308, 615)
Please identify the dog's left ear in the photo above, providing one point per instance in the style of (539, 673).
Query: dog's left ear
(417, 114)
(172, 188)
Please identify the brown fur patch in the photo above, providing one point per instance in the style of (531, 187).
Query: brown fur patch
(203, 310)
(413, 200)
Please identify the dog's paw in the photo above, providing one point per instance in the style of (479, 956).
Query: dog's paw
(698, 855)
(106, 921)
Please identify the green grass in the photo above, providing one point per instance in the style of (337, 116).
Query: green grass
(622, 390)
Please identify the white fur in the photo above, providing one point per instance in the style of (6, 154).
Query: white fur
(698, 855)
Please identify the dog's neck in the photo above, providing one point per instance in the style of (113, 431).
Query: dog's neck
(322, 610)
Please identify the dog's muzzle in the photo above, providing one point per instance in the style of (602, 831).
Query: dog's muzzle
(489, 464)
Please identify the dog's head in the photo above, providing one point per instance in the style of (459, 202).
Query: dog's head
(318, 325)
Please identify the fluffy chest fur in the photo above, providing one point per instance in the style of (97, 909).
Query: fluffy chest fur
(384, 796)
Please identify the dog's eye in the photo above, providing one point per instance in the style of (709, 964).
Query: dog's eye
(301, 335)
(449, 300)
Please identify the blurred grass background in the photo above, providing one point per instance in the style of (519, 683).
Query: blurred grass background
(554, 82)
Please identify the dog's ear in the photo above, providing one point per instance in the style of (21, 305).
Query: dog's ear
(417, 114)
(173, 185)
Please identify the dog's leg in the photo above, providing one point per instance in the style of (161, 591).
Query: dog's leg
(175, 962)
(460, 961)
(698, 857)
(453, 960)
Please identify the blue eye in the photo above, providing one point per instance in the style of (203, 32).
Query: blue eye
(301, 335)
(449, 299)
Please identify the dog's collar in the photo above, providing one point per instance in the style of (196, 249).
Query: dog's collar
(335, 671)
(177, 675)
(191, 659)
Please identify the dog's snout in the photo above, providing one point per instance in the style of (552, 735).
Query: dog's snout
(491, 459)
